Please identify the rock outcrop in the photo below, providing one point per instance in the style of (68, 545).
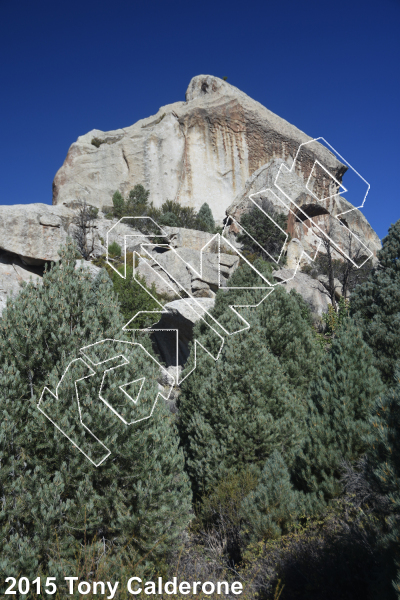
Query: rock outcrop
(199, 274)
(333, 215)
(218, 146)
(13, 273)
(201, 150)
(34, 232)
(312, 290)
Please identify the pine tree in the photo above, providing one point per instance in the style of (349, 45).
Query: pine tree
(235, 412)
(262, 233)
(260, 375)
(376, 305)
(384, 463)
(283, 320)
(178, 215)
(339, 404)
(118, 204)
(274, 505)
(205, 220)
(138, 200)
(54, 498)
(169, 219)
(133, 298)
(286, 328)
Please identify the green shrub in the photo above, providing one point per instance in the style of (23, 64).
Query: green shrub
(114, 250)
(54, 500)
(204, 219)
(268, 238)
(118, 204)
(133, 298)
(137, 202)
(340, 399)
(236, 411)
(376, 306)
(169, 219)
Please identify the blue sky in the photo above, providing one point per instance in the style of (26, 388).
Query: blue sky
(331, 69)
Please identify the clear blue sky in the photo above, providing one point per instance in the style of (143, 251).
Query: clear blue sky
(330, 68)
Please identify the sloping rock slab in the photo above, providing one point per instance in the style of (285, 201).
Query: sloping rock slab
(185, 268)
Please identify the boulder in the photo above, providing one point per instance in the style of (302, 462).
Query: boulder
(179, 237)
(200, 150)
(34, 232)
(14, 272)
(312, 290)
(88, 266)
(197, 273)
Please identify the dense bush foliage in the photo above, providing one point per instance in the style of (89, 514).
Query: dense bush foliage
(383, 469)
(54, 499)
(376, 304)
(281, 466)
(171, 213)
(340, 400)
(133, 297)
(259, 376)
(264, 232)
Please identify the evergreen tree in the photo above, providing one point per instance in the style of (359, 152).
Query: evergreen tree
(169, 219)
(236, 411)
(283, 320)
(260, 375)
(133, 299)
(185, 216)
(274, 505)
(340, 400)
(138, 201)
(376, 305)
(205, 220)
(262, 232)
(114, 250)
(53, 498)
(384, 464)
(285, 325)
(118, 204)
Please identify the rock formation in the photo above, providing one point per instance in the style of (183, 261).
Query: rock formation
(307, 216)
(219, 147)
(201, 150)
(199, 274)
(312, 290)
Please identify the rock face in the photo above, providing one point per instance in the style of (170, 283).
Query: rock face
(34, 231)
(13, 273)
(200, 274)
(312, 290)
(218, 146)
(333, 215)
(201, 150)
